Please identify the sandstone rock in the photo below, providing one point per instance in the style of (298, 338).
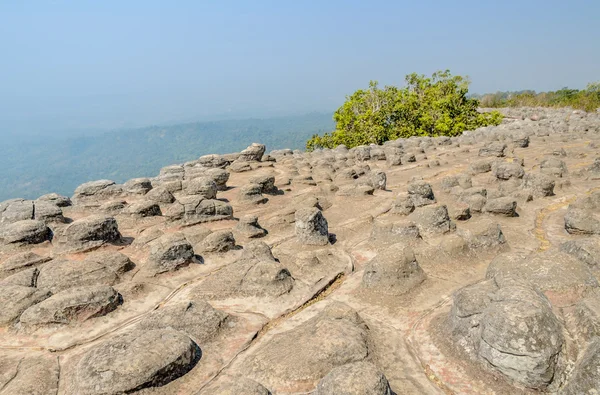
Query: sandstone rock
(100, 189)
(90, 232)
(554, 167)
(353, 379)
(521, 337)
(137, 186)
(15, 299)
(47, 212)
(213, 161)
(235, 386)
(540, 185)
(253, 153)
(496, 149)
(393, 271)
(508, 170)
(433, 219)
(311, 227)
(484, 235)
(21, 261)
(335, 337)
(25, 232)
(25, 278)
(29, 375)
(197, 319)
(170, 252)
(585, 378)
(252, 193)
(586, 250)
(480, 166)
(72, 305)
(219, 241)
(55, 198)
(505, 206)
(421, 193)
(195, 209)
(144, 209)
(267, 184)
(160, 195)
(113, 207)
(582, 222)
(201, 186)
(104, 268)
(133, 361)
(249, 227)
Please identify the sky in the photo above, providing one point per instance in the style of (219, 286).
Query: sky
(93, 65)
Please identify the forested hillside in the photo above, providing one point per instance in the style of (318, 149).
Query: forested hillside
(32, 166)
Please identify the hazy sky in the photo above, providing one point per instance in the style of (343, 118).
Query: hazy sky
(104, 64)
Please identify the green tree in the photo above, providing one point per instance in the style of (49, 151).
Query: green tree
(426, 106)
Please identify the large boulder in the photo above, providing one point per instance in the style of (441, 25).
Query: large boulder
(25, 232)
(133, 361)
(335, 337)
(433, 219)
(253, 153)
(90, 232)
(421, 193)
(96, 190)
(195, 209)
(513, 329)
(201, 186)
(55, 198)
(582, 222)
(72, 305)
(170, 252)
(540, 185)
(393, 271)
(137, 186)
(103, 268)
(311, 227)
(505, 206)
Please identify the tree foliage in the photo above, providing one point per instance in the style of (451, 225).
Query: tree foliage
(586, 99)
(426, 106)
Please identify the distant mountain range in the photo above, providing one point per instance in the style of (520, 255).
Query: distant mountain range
(35, 165)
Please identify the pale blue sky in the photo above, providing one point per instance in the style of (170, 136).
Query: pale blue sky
(105, 64)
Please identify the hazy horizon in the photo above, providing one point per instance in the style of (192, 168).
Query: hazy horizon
(105, 65)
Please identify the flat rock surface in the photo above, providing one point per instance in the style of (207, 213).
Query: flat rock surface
(462, 265)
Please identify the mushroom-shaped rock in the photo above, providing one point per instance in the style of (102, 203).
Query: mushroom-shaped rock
(137, 186)
(145, 208)
(311, 227)
(72, 305)
(160, 195)
(421, 193)
(505, 206)
(248, 226)
(136, 360)
(202, 186)
(521, 337)
(394, 271)
(253, 153)
(90, 232)
(252, 193)
(540, 185)
(496, 149)
(59, 200)
(169, 253)
(353, 379)
(218, 241)
(432, 219)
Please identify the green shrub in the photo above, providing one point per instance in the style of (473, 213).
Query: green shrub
(587, 99)
(436, 106)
